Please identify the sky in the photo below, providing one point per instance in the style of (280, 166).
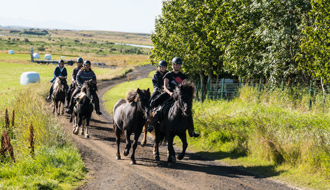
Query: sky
(136, 16)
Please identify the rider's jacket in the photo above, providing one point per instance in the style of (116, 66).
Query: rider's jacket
(75, 72)
(174, 79)
(84, 75)
(59, 72)
(158, 81)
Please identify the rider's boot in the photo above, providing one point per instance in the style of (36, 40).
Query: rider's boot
(154, 120)
(191, 130)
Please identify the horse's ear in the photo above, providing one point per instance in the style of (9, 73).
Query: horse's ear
(138, 90)
(148, 90)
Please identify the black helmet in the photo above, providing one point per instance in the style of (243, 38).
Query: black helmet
(87, 62)
(80, 60)
(177, 60)
(60, 61)
(162, 63)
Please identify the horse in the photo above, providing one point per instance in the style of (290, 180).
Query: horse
(129, 116)
(175, 118)
(83, 109)
(59, 94)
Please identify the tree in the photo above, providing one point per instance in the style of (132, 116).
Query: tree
(315, 52)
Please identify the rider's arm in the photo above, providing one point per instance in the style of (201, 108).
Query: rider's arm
(166, 86)
(155, 81)
(79, 81)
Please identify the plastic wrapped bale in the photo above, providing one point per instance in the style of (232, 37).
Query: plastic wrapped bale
(48, 57)
(29, 77)
(11, 51)
(36, 55)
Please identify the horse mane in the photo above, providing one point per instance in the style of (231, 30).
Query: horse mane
(57, 83)
(132, 96)
(187, 87)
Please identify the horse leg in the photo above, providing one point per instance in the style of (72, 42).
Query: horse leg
(156, 145)
(86, 126)
(54, 105)
(184, 146)
(75, 125)
(136, 138)
(118, 133)
(145, 132)
(171, 153)
(128, 143)
(62, 107)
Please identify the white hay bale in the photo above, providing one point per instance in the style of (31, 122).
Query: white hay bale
(36, 55)
(29, 77)
(48, 57)
(11, 51)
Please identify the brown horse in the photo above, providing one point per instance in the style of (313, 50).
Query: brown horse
(129, 116)
(59, 94)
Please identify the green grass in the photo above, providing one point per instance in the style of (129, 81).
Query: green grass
(274, 135)
(119, 91)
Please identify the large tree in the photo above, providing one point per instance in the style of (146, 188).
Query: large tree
(315, 47)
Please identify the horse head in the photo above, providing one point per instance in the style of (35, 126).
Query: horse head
(184, 95)
(89, 87)
(59, 85)
(141, 98)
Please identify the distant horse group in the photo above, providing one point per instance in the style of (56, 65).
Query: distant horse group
(131, 114)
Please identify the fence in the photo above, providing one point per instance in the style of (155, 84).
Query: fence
(229, 89)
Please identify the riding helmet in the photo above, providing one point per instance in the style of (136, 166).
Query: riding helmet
(80, 60)
(162, 63)
(60, 61)
(87, 62)
(177, 60)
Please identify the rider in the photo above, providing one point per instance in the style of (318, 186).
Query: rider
(74, 81)
(157, 80)
(83, 75)
(171, 80)
(60, 70)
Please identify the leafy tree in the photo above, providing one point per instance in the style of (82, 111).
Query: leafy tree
(315, 55)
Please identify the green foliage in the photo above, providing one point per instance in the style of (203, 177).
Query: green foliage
(314, 57)
(274, 127)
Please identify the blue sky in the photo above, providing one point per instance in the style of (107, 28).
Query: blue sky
(112, 15)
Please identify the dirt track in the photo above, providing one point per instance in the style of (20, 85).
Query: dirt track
(193, 172)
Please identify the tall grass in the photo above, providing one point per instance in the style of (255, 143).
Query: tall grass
(56, 163)
(271, 128)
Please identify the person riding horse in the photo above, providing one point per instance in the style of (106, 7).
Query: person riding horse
(74, 81)
(83, 75)
(60, 70)
(171, 80)
(157, 80)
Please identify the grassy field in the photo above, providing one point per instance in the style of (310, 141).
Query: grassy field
(274, 135)
(56, 163)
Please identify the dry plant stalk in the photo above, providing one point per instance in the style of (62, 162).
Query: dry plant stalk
(13, 119)
(6, 119)
(31, 138)
(6, 145)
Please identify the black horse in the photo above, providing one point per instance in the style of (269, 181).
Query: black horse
(175, 119)
(129, 116)
(83, 108)
(59, 94)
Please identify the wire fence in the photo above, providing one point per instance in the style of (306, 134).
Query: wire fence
(228, 89)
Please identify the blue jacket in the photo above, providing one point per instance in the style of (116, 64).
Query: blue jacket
(59, 72)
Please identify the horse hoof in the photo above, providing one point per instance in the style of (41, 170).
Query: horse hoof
(173, 159)
(118, 157)
(133, 162)
(180, 156)
(157, 159)
(86, 136)
(143, 143)
(126, 152)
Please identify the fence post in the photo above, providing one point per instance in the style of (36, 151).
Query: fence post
(222, 88)
(310, 94)
(282, 85)
(208, 88)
